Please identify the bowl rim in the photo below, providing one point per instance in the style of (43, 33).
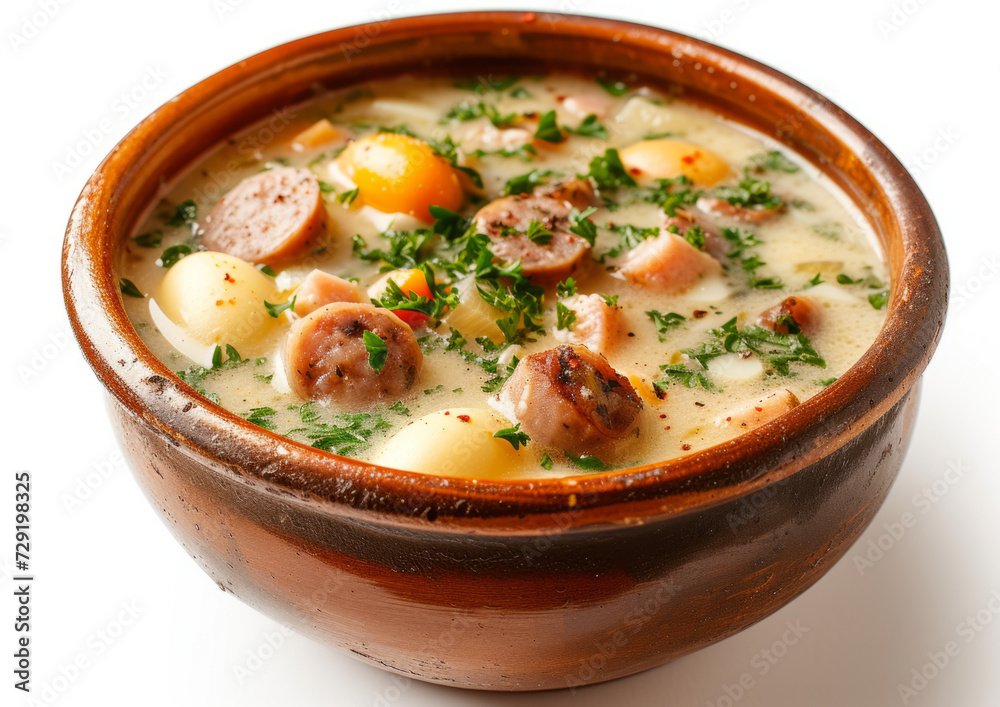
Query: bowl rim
(886, 372)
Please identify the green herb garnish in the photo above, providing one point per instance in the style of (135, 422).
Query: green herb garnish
(514, 436)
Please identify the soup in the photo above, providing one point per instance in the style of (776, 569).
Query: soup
(504, 277)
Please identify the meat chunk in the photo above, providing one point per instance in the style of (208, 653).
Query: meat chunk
(721, 207)
(802, 310)
(668, 263)
(578, 193)
(269, 217)
(570, 398)
(326, 358)
(597, 325)
(589, 103)
(757, 412)
(506, 221)
(715, 244)
(321, 288)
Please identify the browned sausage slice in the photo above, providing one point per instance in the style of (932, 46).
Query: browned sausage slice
(801, 309)
(506, 221)
(579, 193)
(269, 217)
(326, 359)
(721, 207)
(570, 398)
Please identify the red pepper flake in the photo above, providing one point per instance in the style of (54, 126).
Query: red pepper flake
(663, 416)
(667, 427)
(447, 412)
(729, 419)
(464, 418)
(685, 447)
(701, 405)
(228, 278)
(218, 303)
(560, 99)
(635, 171)
(699, 313)
(689, 159)
(758, 409)
(528, 17)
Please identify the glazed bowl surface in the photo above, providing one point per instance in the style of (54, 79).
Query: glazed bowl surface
(528, 584)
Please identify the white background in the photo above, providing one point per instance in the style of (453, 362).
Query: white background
(922, 76)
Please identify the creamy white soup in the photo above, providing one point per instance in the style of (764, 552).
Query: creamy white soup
(504, 277)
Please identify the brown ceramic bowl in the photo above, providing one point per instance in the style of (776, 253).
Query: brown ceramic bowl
(516, 585)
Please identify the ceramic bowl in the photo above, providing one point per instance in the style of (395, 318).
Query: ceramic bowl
(514, 585)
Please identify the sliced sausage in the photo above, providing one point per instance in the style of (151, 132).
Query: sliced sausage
(579, 193)
(801, 309)
(721, 207)
(757, 412)
(326, 358)
(570, 398)
(321, 288)
(506, 221)
(269, 217)
(667, 263)
(597, 325)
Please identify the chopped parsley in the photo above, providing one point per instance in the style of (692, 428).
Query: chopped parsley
(816, 280)
(826, 381)
(629, 237)
(610, 300)
(128, 288)
(546, 462)
(355, 432)
(525, 152)
(683, 375)
(170, 256)
(615, 88)
(879, 300)
(537, 233)
(268, 270)
(407, 249)
(526, 183)
(587, 462)
(399, 408)
(514, 436)
(520, 92)
(665, 322)
(467, 110)
(775, 350)
(184, 215)
(868, 280)
(275, 310)
(262, 417)
(564, 316)
(774, 160)
(152, 239)
(566, 288)
(671, 194)
(608, 172)
(377, 350)
(590, 127)
(448, 149)
(449, 224)
(347, 197)
(750, 193)
(582, 225)
(741, 243)
(548, 129)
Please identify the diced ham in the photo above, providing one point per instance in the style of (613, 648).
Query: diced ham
(757, 412)
(668, 263)
(321, 288)
(800, 308)
(597, 325)
(721, 207)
